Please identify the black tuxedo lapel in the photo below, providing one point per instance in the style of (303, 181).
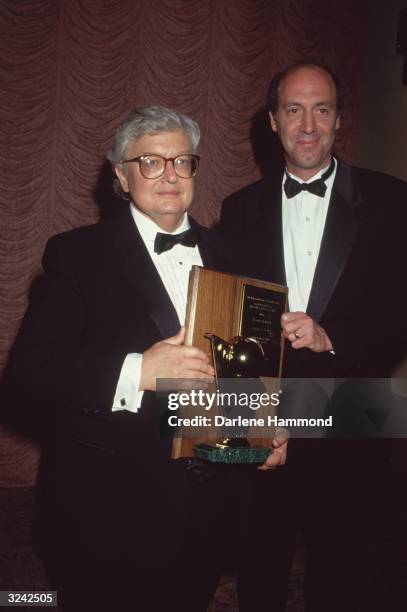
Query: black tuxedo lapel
(141, 276)
(208, 244)
(269, 229)
(276, 237)
(341, 227)
(217, 251)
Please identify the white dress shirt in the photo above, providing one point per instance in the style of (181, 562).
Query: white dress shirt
(304, 218)
(174, 267)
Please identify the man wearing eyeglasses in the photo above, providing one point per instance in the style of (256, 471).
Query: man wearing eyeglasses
(127, 528)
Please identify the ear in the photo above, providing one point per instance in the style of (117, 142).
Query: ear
(122, 177)
(337, 122)
(273, 122)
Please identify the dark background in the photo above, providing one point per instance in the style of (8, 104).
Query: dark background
(71, 69)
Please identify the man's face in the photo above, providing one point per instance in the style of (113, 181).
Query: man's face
(166, 198)
(306, 120)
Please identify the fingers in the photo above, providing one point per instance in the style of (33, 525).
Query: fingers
(279, 454)
(281, 437)
(295, 325)
(296, 337)
(292, 317)
(304, 341)
(314, 338)
(196, 368)
(169, 359)
(275, 459)
(182, 362)
(303, 332)
(191, 362)
(190, 351)
(199, 370)
(292, 321)
(178, 338)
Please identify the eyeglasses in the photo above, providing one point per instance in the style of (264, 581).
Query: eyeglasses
(153, 166)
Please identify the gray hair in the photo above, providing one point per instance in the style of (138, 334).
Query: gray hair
(151, 120)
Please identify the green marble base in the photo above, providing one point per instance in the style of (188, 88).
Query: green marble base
(231, 455)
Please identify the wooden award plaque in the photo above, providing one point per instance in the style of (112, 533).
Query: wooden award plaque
(227, 306)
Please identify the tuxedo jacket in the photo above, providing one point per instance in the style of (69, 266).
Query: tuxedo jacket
(358, 293)
(101, 298)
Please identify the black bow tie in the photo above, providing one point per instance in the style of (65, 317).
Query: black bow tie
(318, 187)
(165, 242)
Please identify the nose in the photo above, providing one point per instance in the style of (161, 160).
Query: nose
(169, 173)
(308, 122)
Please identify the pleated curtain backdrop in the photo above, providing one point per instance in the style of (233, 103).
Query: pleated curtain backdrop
(71, 69)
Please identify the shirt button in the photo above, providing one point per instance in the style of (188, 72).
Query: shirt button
(307, 219)
(309, 252)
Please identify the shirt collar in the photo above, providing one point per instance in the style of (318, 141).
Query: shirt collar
(315, 177)
(148, 228)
